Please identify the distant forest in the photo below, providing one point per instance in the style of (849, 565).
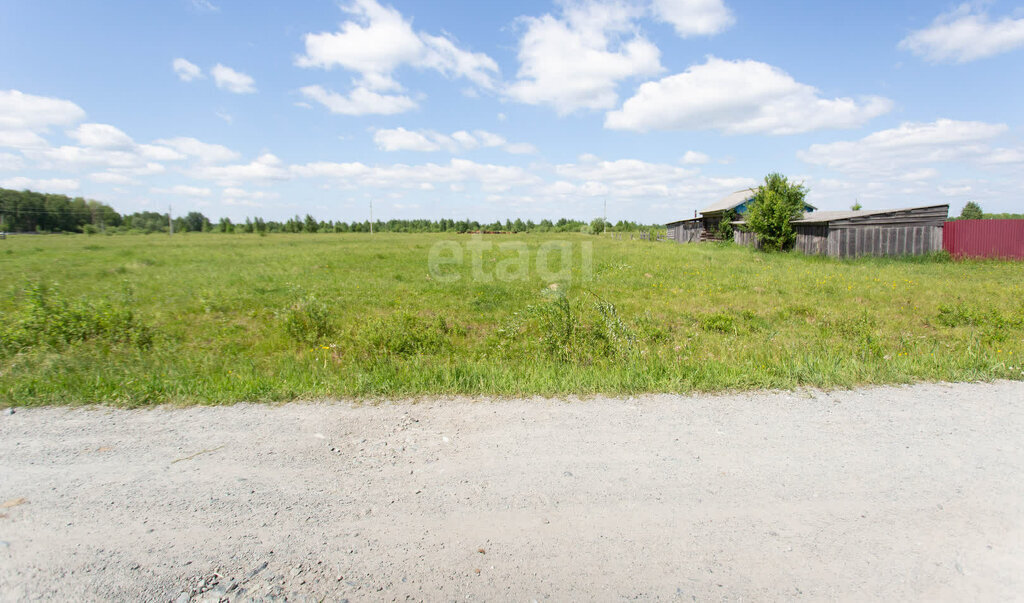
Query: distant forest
(28, 211)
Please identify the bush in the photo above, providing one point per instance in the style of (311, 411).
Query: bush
(50, 320)
(308, 321)
(567, 331)
(776, 204)
(404, 334)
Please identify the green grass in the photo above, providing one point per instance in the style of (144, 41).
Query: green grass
(139, 320)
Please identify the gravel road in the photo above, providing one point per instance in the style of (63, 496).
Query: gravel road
(882, 493)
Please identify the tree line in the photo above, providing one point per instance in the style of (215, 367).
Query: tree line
(29, 211)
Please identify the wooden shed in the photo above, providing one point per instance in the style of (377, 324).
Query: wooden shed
(845, 234)
(705, 227)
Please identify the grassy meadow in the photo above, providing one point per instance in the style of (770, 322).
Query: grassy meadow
(206, 318)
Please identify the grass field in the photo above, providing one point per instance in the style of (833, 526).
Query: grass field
(137, 320)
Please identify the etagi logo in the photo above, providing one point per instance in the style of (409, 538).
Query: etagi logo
(551, 261)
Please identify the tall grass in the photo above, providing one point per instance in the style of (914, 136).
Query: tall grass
(225, 318)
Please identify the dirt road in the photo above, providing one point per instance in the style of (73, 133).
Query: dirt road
(896, 493)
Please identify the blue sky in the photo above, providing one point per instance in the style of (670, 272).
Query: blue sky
(498, 109)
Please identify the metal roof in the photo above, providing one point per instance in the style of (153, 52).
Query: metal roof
(832, 216)
(817, 217)
(731, 201)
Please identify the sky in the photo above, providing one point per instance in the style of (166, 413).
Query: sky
(493, 110)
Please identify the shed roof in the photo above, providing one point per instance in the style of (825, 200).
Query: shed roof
(734, 200)
(834, 216)
(730, 201)
(855, 216)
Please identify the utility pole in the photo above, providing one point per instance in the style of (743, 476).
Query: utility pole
(371, 216)
(170, 223)
(604, 220)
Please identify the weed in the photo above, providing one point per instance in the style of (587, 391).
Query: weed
(49, 319)
(718, 323)
(404, 334)
(308, 321)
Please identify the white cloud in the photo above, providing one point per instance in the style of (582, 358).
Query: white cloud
(228, 79)
(360, 101)
(400, 139)
(204, 151)
(963, 35)
(238, 193)
(21, 139)
(110, 178)
(265, 168)
(186, 70)
(104, 136)
(490, 177)
(694, 17)
(520, 148)
(376, 42)
(576, 61)
(695, 158)
(23, 117)
(893, 151)
(20, 111)
(739, 97)
(1004, 156)
(183, 190)
(50, 185)
(10, 162)
(955, 191)
(205, 6)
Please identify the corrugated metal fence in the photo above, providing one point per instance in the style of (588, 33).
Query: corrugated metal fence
(984, 238)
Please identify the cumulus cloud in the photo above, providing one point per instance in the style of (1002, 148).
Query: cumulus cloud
(183, 190)
(186, 70)
(111, 178)
(965, 35)
(104, 136)
(576, 60)
(50, 185)
(400, 139)
(694, 17)
(739, 97)
(374, 43)
(228, 79)
(265, 168)
(360, 101)
(490, 177)
(23, 117)
(894, 150)
(10, 162)
(695, 158)
(203, 151)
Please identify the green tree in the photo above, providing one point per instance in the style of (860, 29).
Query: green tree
(194, 222)
(856, 206)
(777, 203)
(971, 211)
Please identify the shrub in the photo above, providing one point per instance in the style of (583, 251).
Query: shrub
(405, 334)
(568, 331)
(720, 323)
(776, 204)
(51, 320)
(308, 321)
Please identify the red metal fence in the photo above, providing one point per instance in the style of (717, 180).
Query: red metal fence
(984, 238)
